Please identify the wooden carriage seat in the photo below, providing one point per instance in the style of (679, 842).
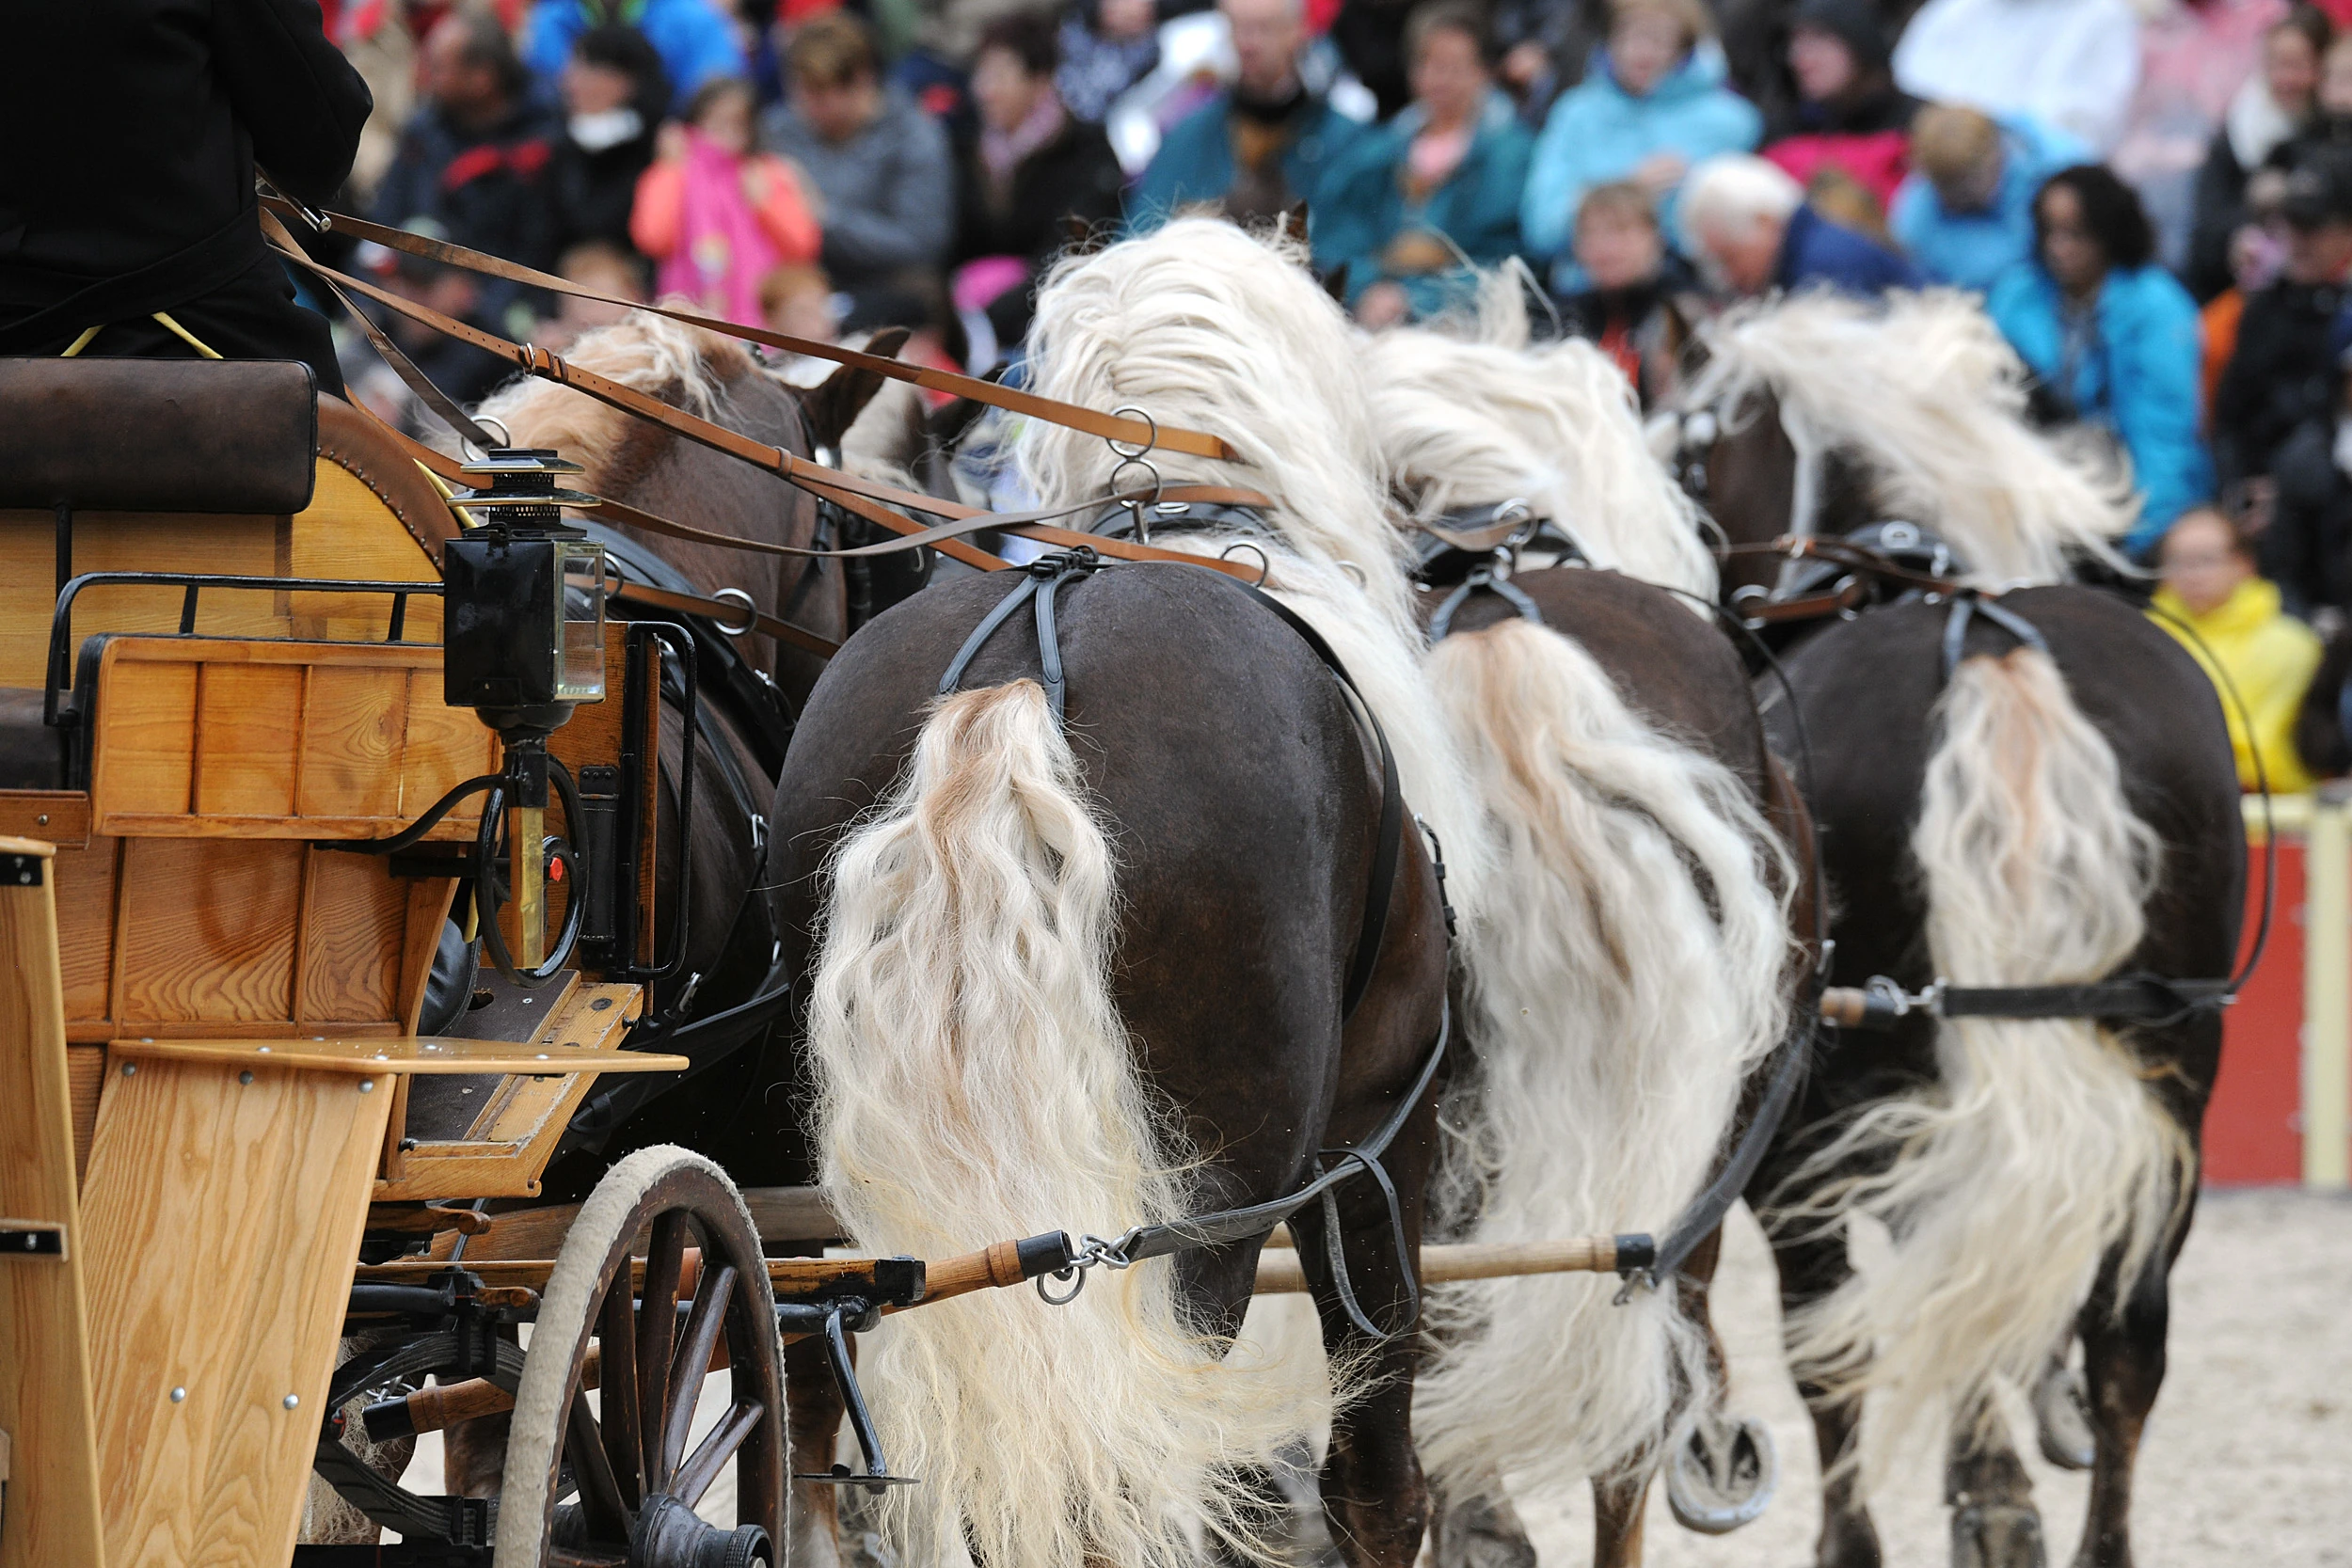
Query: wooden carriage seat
(192, 466)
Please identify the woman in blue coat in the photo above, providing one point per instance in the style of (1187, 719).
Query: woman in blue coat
(1435, 194)
(1652, 105)
(2114, 341)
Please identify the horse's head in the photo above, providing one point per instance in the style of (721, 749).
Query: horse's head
(1734, 457)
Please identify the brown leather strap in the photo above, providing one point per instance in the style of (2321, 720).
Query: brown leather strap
(727, 615)
(857, 494)
(1111, 427)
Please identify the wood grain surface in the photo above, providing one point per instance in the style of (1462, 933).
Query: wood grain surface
(45, 1391)
(222, 1218)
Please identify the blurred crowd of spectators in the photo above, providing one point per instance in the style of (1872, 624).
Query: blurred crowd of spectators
(2153, 197)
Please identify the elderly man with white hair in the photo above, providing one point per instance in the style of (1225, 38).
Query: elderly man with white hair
(1260, 145)
(1752, 231)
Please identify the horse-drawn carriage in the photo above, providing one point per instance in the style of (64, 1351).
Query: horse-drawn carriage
(263, 1166)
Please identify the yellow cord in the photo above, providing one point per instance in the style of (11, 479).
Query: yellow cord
(185, 336)
(83, 340)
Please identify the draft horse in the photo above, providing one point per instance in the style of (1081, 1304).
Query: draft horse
(2031, 827)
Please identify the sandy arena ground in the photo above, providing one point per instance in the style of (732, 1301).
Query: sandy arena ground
(2249, 1457)
(2248, 1454)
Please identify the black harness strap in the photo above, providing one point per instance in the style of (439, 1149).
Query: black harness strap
(1482, 580)
(1967, 604)
(1704, 1212)
(1041, 580)
(2134, 998)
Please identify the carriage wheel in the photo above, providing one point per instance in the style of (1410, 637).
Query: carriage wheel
(620, 1489)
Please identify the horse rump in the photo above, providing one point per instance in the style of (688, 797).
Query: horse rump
(2039, 1151)
(976, 1081)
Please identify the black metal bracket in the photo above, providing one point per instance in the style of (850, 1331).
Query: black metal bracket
(835, 1322)
(20, 870)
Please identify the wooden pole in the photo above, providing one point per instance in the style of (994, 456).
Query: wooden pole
(2327, 992)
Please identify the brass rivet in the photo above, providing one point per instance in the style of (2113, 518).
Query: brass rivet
(293, 1402)
(246, 1077)
(366, 1086)
(178, 1395)
(130, 1070)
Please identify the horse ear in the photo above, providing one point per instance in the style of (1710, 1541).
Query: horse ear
(1335, 283)
(833, 405)
(1292, 223)
(946, 426)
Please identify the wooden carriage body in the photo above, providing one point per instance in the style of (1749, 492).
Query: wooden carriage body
(208, 1037)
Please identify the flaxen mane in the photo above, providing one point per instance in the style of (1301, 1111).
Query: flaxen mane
(1926, 396)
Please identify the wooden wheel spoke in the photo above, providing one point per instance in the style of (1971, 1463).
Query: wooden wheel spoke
(617, 1339)
(692, 1364)
(696, 1476)
(657, 1327)
(600, 1494)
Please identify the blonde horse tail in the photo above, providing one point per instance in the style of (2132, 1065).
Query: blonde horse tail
(974, 1082)
(1628, 978)
(2040, 1150)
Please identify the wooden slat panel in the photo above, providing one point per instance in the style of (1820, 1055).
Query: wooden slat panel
(209, 929)
(445, 747)
(347, 533)
(58, 817)
(248, 718)
(223, 1220)
(355, 924)
(147, 761)
(353, 732)
(86, 928)
(125, 542)
(45, 1385)
(365, 719)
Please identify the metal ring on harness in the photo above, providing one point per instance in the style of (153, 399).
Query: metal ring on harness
(751, 611)
(1136, 503)
(1120, 447)
(1266, 569)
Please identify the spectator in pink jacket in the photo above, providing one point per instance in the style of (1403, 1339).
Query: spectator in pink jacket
(716, 217)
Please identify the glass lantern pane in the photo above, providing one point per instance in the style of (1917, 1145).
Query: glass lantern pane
(581, 677)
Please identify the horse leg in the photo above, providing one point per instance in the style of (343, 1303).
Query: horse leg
(1619, 1507)
(814, 1408)
(2123, 1364)
(473, 1456)
(1811, 1266)
(1482, 1531)
(1995, 1524)
(1374, 1495)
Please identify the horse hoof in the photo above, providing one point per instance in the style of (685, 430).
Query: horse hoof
(1997, 1535)
(2061, 1411)
(1720, 1473)
(1483, 1532)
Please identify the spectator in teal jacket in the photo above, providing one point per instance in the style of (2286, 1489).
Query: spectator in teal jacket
(1652, 105)
(1965, 211)
(2113, 339)
(1434, 193)
(1258, 147)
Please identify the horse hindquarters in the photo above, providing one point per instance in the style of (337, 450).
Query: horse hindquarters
(2041, 1153)
(975, 1081)
(1630, 979)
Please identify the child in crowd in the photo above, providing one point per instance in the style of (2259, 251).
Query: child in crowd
(592, 264)
(716, 216)
(2243, 633)
(798, 301)
(1631, 278)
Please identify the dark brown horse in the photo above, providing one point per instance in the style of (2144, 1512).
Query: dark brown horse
(1633, 984)
(2024, 788)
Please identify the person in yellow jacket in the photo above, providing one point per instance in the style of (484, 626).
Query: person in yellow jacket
(2269, 655)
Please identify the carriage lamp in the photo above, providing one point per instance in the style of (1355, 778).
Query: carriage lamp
(522, 645)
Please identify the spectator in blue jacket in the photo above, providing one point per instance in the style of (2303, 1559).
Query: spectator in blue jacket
(1965, 212)
(1746, 221)
(2113, 339)
(1652, 105)
(1258, 147)
(692, 37)
(1434, 193)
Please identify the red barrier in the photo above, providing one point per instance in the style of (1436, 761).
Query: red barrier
(2254, 1126)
